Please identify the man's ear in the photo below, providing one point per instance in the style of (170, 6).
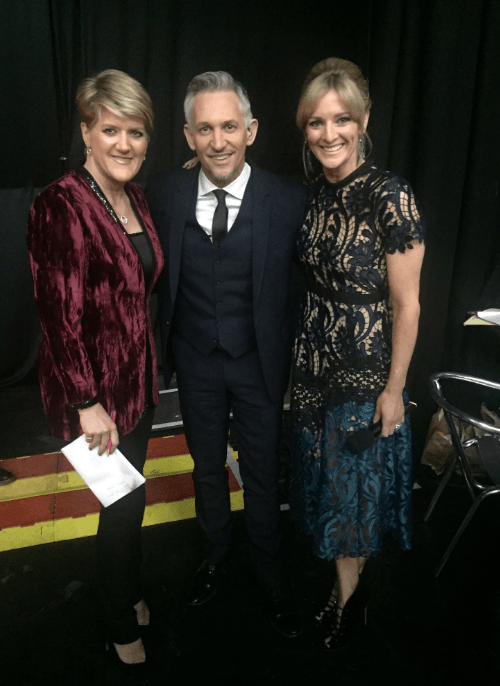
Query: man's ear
(252, 131)
(189, 137)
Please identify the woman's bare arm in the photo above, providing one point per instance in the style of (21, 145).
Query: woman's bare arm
(403, 271)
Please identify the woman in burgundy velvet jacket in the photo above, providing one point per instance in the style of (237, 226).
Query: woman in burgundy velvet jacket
(95, 258)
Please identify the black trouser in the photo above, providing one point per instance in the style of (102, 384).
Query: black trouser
(119, 542)
(209, 387)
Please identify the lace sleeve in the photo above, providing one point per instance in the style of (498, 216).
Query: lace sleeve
(398, 216)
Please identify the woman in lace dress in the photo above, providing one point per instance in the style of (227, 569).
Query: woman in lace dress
(361, 248)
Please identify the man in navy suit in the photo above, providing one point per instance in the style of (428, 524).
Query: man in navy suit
(228, 232)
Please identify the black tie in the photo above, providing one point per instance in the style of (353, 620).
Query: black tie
(219, 224)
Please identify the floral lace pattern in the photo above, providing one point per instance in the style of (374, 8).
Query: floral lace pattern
(342, 358)
(349, 502)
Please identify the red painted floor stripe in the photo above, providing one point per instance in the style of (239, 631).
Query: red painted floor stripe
(28, 511)
(34, 465)
(167, 446)
(55, 463)
(76, 504)
(168, 489)
(43, 508)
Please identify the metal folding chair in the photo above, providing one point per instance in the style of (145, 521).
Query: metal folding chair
(488, 447)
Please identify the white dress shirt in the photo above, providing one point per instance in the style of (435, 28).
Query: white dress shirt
(207, 202)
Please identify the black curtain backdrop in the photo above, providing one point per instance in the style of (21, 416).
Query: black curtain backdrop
(433, 68)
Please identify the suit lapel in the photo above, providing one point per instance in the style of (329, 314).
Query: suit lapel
(261, 217)
(186, 188)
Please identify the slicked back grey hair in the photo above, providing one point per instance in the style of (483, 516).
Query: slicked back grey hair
(214, 81)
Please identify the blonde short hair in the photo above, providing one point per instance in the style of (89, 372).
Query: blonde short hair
(338, 75)
(117, 91)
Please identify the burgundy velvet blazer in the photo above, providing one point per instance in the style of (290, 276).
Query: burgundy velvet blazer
(92, 304)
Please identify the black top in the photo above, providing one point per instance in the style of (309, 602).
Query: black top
(140, 242)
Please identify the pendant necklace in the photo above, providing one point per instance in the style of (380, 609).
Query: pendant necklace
(123, 218)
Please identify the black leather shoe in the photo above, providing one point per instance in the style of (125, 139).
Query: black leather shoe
(6, 477)
(282, 615)
(203, 584)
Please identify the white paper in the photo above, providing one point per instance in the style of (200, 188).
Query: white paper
(491, 315)
(109, 477)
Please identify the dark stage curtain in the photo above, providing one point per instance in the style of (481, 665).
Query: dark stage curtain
(433, 68)
(434, 73)
(20, 332)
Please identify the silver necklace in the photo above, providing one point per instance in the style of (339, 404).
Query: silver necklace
(97, 190)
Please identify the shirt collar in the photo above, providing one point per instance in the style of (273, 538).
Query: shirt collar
(236, 188)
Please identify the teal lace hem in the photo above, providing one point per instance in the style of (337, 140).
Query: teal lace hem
(348, 502)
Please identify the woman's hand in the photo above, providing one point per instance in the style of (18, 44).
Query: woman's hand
(98, 426)
(191, 164)
(390, 409)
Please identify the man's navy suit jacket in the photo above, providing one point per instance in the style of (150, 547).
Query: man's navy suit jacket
(277, 214)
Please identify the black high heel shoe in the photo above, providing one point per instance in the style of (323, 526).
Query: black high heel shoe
(325, 616)
(347, 618)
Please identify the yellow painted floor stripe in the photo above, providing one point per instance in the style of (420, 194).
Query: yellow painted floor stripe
(71, 481)
(166, 466)
(43, 485)
(71, 528)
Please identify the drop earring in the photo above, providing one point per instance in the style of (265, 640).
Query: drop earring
(307, 161)
(362, 146)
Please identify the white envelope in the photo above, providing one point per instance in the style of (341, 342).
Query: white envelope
(109, 477)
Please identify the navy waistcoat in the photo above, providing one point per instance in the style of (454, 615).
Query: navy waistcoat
(214, 300)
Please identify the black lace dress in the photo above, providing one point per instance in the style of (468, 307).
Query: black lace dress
(342, 359)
